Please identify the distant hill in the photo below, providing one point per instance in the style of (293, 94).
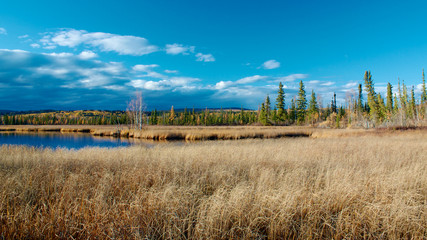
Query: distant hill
(6, 112)
(234, 109)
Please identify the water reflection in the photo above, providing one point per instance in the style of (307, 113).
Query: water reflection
(67, 140)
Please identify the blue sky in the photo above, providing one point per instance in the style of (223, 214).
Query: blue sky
(97, 54)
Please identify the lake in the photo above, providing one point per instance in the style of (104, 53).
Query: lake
(66, 140)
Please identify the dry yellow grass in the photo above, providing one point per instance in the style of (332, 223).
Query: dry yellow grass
(194, 133)
(354, 187)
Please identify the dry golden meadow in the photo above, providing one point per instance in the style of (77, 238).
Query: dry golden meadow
(340, 187)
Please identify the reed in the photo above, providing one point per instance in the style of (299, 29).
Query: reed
(302, 188)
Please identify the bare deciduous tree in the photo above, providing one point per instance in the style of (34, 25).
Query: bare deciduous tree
(135, 110)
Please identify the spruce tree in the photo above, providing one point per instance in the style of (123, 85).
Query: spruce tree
(263, 115)
(413, 104)
(423, 103)
(382, 110)
(267, 107)
(389, 98)
(396, 106)
(360, 99)
(404, 99)
(313, 108)
(280, 103)
(301, 103)
(372, 97)
(423, 90)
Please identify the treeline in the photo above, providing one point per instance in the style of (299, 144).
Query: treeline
(397, 108)
(66, 118)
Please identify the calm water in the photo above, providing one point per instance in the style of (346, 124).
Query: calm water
(65, 140)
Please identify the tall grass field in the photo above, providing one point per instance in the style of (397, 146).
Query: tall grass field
(356, 187)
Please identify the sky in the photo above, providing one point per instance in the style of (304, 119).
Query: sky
(78, 55)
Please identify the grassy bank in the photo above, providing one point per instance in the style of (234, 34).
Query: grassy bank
(172, 132)
(194, 133)
(354, 187)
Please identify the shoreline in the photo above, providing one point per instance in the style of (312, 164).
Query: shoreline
(195, 133)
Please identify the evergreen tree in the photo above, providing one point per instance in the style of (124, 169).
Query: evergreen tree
(267, 107)
(423, 90)
(389, 98)
(301, 103)
(313, 108)
(372, 97)
(334, 103)
(423, 103)
(280, 103)
(413, 104)
(263, 115)
(396, 106)
(382, 110)
(404, 99)
(360, 98)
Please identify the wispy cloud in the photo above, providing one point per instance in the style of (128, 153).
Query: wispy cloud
(35, 45)
(175, 49)
(3, 31)
(107, 42)
(147, 71)
(144, 68)
(171, 71)
(250, 79)
(271, 64)
(205, 57)
(171, 84)
(246, 80)
(291, 78)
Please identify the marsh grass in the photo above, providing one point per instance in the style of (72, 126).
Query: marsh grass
(354, 187)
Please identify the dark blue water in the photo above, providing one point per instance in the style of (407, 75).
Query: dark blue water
(64, 140)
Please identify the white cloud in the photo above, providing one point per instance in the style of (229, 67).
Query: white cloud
(144, 68)
(23, 36)
(35, 45)
(175, 83)
(350, 85)
(171, 71)
(205, 57)
(250, 79)
(14, 50)
(329, 83)
(87, 54)
(3, 31)
(62, 54)
(57, 72)
(291, 78)
(419, 88)
(182, 81)
(153, 74)
(123, 45)
(227, 84)
(271, 64)
(223, 85)
(175, 49)
(148, 71)
(49, 47)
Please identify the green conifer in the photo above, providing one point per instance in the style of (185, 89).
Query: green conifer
(280, 103)
(301, 104)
